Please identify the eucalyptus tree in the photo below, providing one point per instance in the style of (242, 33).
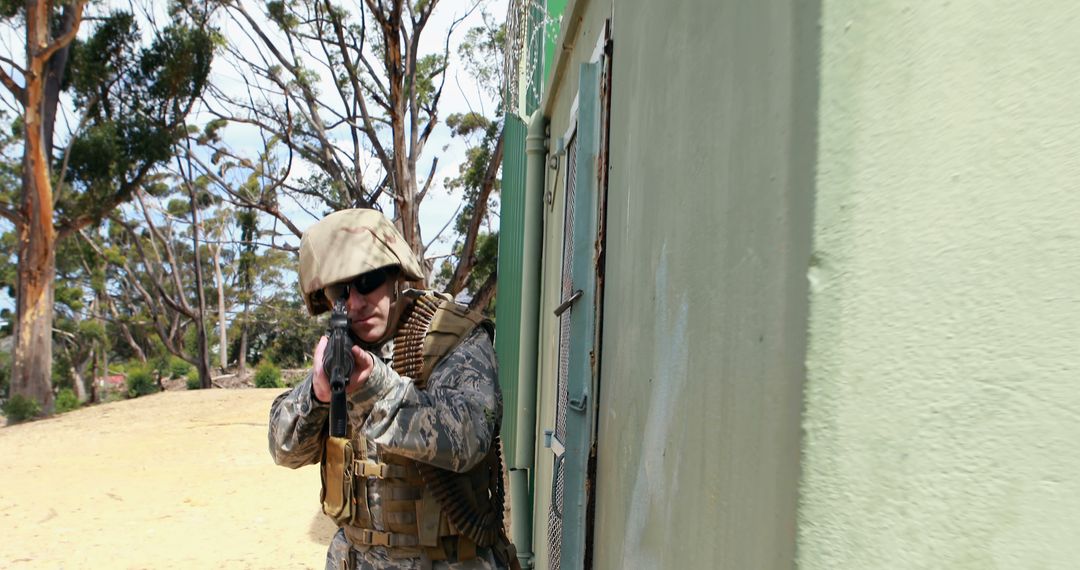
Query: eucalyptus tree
(155, 259)
(344, 99)
(131, 96)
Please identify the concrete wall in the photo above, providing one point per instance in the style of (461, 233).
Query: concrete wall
(712, 146)
(943, 397)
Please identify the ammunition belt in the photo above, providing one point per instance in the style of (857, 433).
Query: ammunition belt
(409, 339)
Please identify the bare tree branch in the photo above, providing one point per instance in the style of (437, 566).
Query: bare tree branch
(427, 183)
(66, 38)
(466, 260)
(11, 214)
(483, 295)
(13, 87)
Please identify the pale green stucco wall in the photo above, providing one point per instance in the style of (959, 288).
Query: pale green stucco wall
(942, 419)
(709, 221)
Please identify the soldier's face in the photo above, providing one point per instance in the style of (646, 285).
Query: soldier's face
(370, 312)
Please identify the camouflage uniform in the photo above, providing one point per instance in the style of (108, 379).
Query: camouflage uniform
(451, 424)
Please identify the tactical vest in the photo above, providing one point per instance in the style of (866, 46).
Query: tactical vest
(424, 509)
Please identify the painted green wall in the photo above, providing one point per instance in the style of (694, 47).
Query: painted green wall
(591, 14)
(942, 412)
(709, 220)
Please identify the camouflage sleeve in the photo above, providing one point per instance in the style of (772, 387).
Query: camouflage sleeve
(452, 423)
(297, 424)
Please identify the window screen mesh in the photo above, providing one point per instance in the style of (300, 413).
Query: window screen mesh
(555, 517)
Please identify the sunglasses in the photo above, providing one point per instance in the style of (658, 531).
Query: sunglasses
(364, 283)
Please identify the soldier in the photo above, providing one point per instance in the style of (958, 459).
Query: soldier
(417, 481)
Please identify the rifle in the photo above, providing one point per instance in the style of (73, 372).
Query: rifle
(338, 365)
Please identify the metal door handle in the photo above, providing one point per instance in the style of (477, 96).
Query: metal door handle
(567, 303)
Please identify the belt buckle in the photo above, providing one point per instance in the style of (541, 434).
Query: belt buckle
(376, 538)
(364, 468)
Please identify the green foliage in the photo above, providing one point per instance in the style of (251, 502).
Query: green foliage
(140, 381)
(61, 370)
(11, 8)
(278, 13)
(191, 334)
(177, 64)
(267, 375)
(66, 400)
(92, 331)
(135, 99)
(279, 329)
(158, 363)
(180, 208)
(481, 51)
(7, 262)
(487, 259)
(19, 408)
(179, 367)
(428, 67)
(212, 131)
(462, 124)
(70, 296)
(193, 382)
(105, 54)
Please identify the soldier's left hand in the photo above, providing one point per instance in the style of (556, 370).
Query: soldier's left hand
(363, 364)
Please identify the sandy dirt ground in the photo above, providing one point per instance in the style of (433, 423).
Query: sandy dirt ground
(172, 480)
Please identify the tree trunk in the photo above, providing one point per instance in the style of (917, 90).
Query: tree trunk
(485, 293)
(31, 367)
(54, 75)
(31, 370)
(241, 359)
(223, 345)
(94, 374)
(203, 355)
(80, 384)
(126, 331)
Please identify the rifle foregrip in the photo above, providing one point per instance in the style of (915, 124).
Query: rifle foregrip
(338, 364)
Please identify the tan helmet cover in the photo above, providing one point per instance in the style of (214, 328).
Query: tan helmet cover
(346, 244)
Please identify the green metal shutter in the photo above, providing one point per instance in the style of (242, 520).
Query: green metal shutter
(580, 410)
(508, 304)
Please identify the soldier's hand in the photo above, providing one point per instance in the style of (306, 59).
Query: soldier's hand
(363, 363)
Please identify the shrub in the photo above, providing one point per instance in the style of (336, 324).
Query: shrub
(267, 375)
(140, 381)
(178, 367)
(66, 400)
(20, 408)
(193, 380)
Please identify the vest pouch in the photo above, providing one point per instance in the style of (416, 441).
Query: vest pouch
(337, 480)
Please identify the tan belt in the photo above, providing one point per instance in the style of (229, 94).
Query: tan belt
(367, 468)
(367, 537)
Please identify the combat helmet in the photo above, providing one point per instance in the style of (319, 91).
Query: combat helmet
(346, 244)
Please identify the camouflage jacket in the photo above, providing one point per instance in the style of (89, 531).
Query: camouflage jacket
(451, 424)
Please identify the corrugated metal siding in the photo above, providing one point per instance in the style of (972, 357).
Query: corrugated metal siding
(508, 304)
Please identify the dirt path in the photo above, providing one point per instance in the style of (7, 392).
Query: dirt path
(173, 480)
